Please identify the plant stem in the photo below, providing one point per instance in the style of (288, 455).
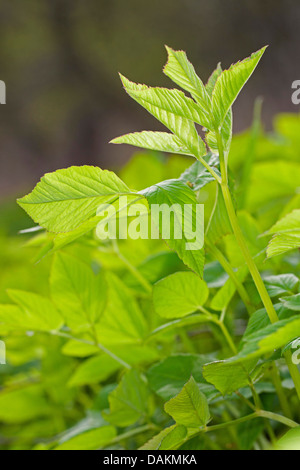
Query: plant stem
(258, 406)
(134, 271)
(258, 414)
(211, 171)
(266, 300)
(133, 432)
(247, 255)
(280, 392)
(214, 319)
(228, 337)
(92, 343)
(228, 269)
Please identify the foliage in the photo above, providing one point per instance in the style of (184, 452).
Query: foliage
(140, 343)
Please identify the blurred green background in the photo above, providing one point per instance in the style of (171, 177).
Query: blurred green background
(60, 61)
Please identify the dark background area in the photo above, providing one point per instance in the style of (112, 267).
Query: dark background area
(60, 61)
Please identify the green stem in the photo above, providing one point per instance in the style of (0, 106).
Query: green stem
(132, 433)
(258, 414)
(92, 343)
(266, 300)
(134, 271)
(247, 255)
(228, 269)
(258, 406)
(214, 319)
(227, 337)
(280, 392)
(211, 171)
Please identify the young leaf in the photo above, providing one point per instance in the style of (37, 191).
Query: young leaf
(230, 83)
(182, 72)
(226, 135)
(65, 199)
(173, 109)
(213, 79)
(160, 141)
(189, 407)
(175, 194)
(179, 295)
(78, 294)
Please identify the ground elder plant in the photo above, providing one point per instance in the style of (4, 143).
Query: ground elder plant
(142, 344)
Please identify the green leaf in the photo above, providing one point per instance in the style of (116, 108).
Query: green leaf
(249, 432)
(228, 377)
(197, 176)
(173, 109)
(295, 344)
(155, 442)
(75, 348)
(197, 318)
(94, 370)
(260, 319)
(219, 223)
(213, 79)
(78, 294)
(159, 141)
(292, 303)
(174, 438)
(224, 295)
(263, 342)
(169, 376)
(175, 194)
(290, 441)
(281, 284)
(230, 83)
(189, 407)
(122, 321)
(170, 438)
(287, 235)
(180, 294)
(182, 72)
(226, 135)
(23, 404)
(90, 440)
(63, 200)
(34, 312)
(129, 401)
